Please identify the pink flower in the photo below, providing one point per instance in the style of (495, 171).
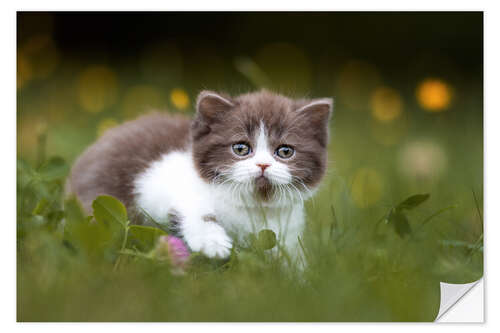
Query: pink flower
(176, 251)
(179, 253)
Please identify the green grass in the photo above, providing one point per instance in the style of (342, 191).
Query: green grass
(370, 258)
(378, 264)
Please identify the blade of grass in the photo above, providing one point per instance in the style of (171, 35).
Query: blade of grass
(477, 206)
(439, 212)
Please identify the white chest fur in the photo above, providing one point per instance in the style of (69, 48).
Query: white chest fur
(173, 184)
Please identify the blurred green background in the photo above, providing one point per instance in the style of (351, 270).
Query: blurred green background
(408, 119)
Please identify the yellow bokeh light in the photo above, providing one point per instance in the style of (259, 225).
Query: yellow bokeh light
(104, 125)
(367, 187)
(434, 95)
(386, 103)
(97, 88)
(179, 98)
(142, 98)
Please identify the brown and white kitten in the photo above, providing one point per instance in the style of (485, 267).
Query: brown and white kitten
(241, 165)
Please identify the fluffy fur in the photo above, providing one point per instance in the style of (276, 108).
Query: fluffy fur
(187, 171)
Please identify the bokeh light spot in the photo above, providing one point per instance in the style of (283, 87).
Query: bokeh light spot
(422, 160)
(105, 125)
(179, 98)
(142, 98)
(97, 88)
(387, 104)
(434, 95)
(367, 187)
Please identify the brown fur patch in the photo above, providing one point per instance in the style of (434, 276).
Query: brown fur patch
(112, 163)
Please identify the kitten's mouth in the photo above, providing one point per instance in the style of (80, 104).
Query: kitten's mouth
(263, 187)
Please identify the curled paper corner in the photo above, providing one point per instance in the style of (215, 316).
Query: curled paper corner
(451, 293)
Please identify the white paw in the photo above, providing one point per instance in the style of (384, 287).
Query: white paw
(211, 240)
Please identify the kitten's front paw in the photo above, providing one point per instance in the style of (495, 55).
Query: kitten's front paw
(211, 240)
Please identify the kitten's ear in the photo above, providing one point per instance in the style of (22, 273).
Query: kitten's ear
(318, 111)
(210, 104)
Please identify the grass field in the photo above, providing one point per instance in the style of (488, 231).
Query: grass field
(372, 255)
(366, 264)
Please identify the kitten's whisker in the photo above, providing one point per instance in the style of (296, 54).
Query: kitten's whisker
(298, 192)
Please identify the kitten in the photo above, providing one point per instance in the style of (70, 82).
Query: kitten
(241, 165)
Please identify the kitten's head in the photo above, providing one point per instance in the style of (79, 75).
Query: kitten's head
(261, 145)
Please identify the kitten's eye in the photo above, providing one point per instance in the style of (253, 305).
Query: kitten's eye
(285, 151)
(241, 149)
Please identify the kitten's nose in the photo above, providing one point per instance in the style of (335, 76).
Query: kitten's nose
(263, 166)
